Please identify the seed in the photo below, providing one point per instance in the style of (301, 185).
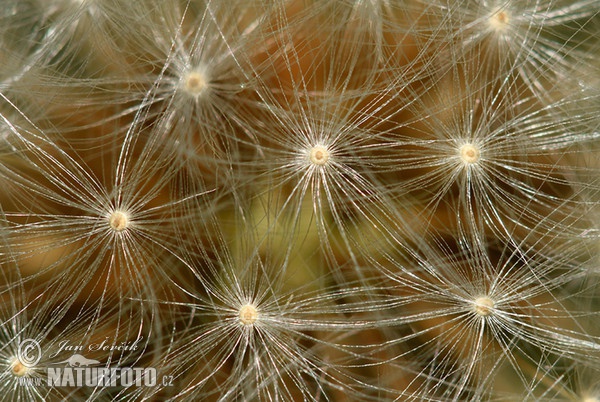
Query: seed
(499, 20)
(469, 153)
(118, 221)
(248, 314)
(483, 306)
(18, 368)
(319, 155)
(195, 83)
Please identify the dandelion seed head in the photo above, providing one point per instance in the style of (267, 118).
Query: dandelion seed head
(483, 306)
(469, 154)
(119, 221)
(319, 155)
(248, 314)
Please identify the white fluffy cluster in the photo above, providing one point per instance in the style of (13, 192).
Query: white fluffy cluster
(281, 200)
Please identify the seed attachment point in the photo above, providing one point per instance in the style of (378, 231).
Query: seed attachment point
(319, 155)
(18, 369)
(119, 221)
(483, 306)
(499, 20)
(195, 83)
(248, 314)
(469, 154)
